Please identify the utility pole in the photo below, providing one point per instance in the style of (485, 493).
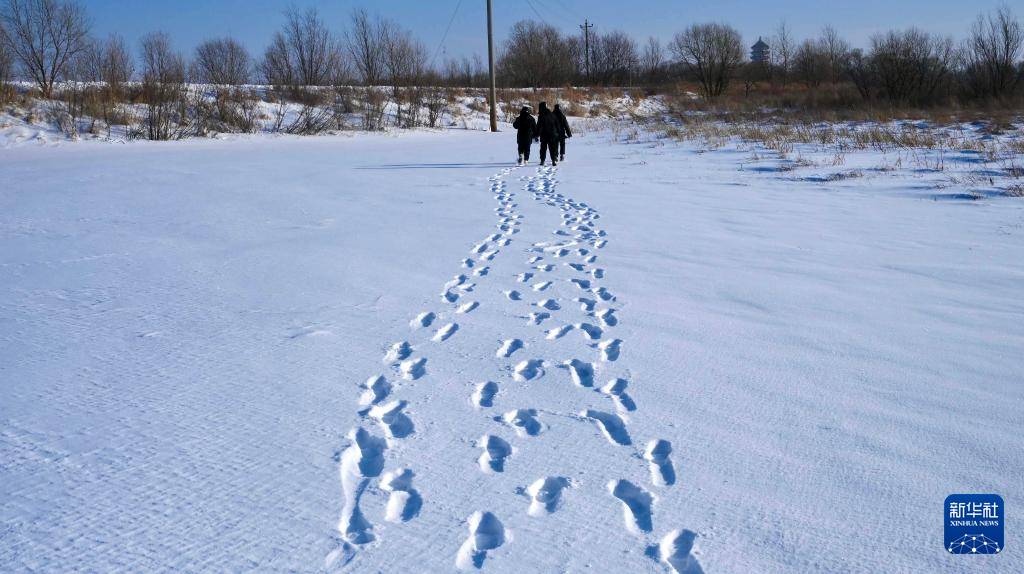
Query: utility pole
(586, 26)
(490, 63)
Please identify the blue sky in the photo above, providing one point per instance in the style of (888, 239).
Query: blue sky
(253, 21)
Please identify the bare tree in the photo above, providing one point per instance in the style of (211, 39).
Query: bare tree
(222, 62)
(108, 64)
(992, 52)
(811, 63)
(366, 38)
(782, 52)
(835, 51)
(44, 36)
(613, 58)
(911, 66)
(711, 53)
(534, 56)
(652, 59)
(405, 60)
(302, 53)
(6, 65)
(163, 87)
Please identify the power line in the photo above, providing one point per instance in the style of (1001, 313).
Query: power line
(532, 7)
(573, 16)
(445, 36)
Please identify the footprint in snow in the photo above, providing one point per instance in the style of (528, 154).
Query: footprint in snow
(612, 426)
(586, 305)
(675, 551)
(445, 333)
(582, 373)
(537, 318)
(546, 495)
(636, 505)
(398, 352)
(423, 320)
(607, 317)
(558, 332)
(529, 370)
(486, 533)
(377, 388)
(592, 332)
(610, 349)
(508, 347)
(362, 460)
(483, 396)
(524, 421)
(549, 304)
(404, 502)
(413, 369)
(496, 451)
(616, 389)
(395, 423)
(663, 473)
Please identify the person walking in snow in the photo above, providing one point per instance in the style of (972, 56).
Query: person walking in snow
(564, 133)
(547, 132)
(526, 131)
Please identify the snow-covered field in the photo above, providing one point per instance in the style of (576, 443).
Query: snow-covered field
(648, 358)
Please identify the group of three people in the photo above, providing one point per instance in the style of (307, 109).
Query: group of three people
(550, 128)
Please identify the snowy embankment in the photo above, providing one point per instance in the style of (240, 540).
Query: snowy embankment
(646, 359)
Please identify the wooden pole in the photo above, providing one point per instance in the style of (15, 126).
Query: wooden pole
(490, 63)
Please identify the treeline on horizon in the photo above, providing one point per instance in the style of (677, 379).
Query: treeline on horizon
(49, 43)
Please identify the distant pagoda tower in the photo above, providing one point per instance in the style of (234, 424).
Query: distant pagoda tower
(760, 53)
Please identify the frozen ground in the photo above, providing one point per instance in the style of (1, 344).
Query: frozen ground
(188, 331)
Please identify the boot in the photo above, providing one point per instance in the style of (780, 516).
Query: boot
(562, 157)
(520, 162)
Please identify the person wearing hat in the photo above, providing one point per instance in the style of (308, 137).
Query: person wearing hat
(547, 132)
(564, 132)
(526, 131)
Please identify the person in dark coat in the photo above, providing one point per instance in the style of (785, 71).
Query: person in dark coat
(547, 132)
(564, 132)
(526, 131)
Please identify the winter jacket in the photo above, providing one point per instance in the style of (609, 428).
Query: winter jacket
(547, 125)
(563, 124)
(526, 127)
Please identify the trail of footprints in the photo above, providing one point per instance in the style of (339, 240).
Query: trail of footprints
(574, 249)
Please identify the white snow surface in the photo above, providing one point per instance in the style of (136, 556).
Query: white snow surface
(191, 332)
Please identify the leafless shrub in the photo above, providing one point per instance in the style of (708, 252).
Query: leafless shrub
(374, 102)
(44, 36)
(107, 66)
(436, 102)
(164, 89)
(312, 120)
(405, 60)
(711, 53)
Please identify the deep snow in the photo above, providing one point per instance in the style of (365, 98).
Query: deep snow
(189, 331)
